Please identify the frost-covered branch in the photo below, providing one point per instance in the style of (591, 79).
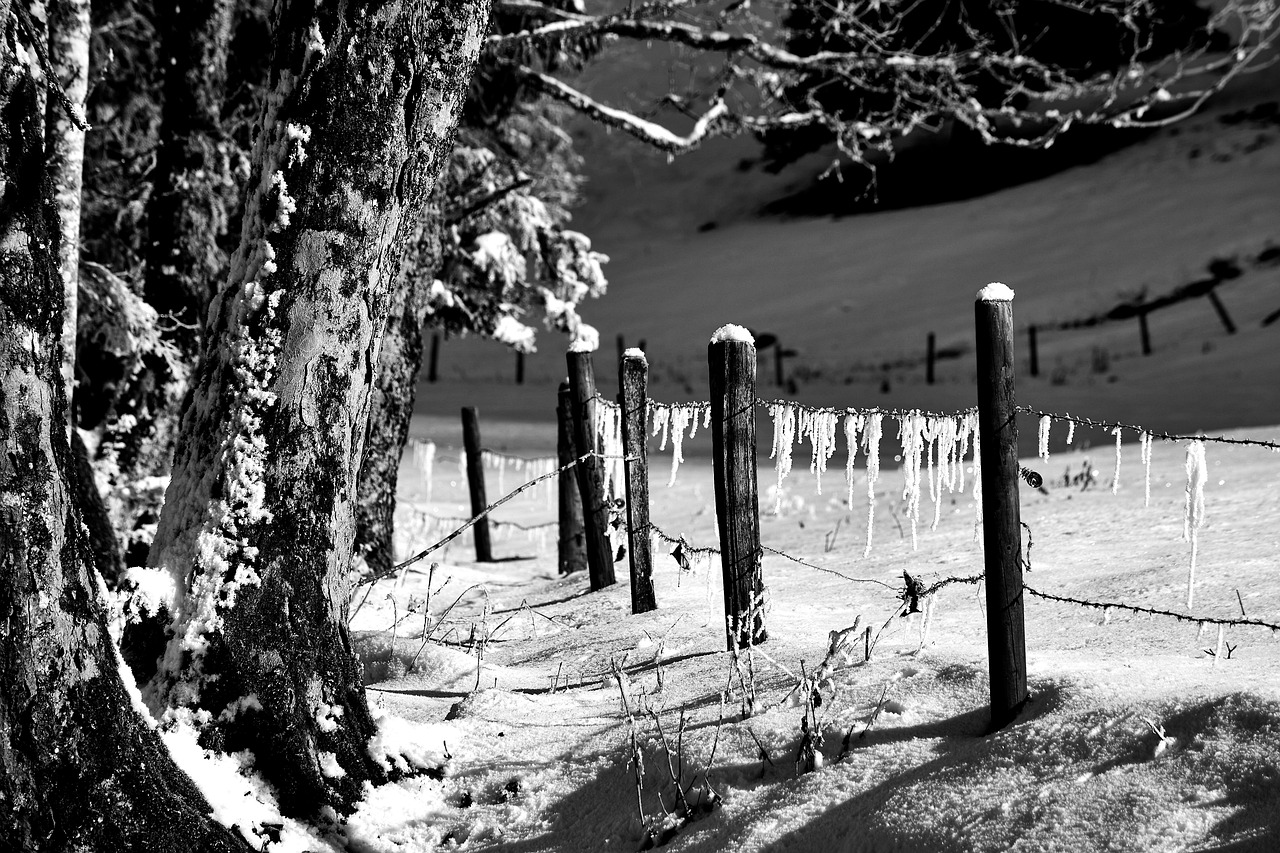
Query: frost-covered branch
(646, 131)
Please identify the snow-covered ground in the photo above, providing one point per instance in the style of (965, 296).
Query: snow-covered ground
(1136, 738)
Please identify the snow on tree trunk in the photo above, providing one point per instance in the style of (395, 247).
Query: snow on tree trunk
(69, 51)
(392, 403)
(79, 767)
(259, 518)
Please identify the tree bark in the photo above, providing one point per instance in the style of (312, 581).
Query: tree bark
(391, 406)
(79, 768)
(186, 214)
(69, 31)
(259, 519)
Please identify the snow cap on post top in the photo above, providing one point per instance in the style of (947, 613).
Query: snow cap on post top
(996, 292)
(730, 332)
(585, 339)
(634, 352)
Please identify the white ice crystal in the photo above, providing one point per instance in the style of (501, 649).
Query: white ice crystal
(1197, 476)
(730, 332)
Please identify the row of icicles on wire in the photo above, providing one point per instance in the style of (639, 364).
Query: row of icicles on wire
(933, 448)
(424, 456)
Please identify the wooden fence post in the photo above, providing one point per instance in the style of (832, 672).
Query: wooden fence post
(434, 361)
(1216, 301)
(1035, 351)
(633, 380)
(1001, 522)
(519, 368)
(732, 361)
(931, 353)
(475, 482)
(595, 505)
(1144, 331)
(573, 541)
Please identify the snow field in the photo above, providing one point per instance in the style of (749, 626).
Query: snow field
(540, 756)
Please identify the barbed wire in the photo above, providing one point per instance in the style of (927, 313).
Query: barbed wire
(1164, 436)
(672, 540)
(528, 460)
(1149, 611)
(827, 570)
(458, 519)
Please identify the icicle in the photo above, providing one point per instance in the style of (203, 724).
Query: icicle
(977, 482)
(1199, 631)
(944, 441)
(820, 426)
(968, 429)
(1071, 431)
(1197, 476)
(1144, 442)
(424, 454)
(661, 417)
(502, 470)
(1222, 636)
(784, 433)
(872, 439)
(680, 416)
(706, 416)
(1045, 422)
(852, 424)
(911, 427)
(1115, 478)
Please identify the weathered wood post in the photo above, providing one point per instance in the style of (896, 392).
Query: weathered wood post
(595, 504)
(931, 354)
(1001, 527)
(1144, 331)
(573, 541)
(433, 361)
(1035, 351)
(1218, 306)
(475, 482)
(519, 368)
(633, 380)
(732, 361)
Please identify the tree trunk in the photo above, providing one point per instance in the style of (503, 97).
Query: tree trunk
(79, 768)
(259, 519)
(186, 214)
(69, 50)
(391, 406)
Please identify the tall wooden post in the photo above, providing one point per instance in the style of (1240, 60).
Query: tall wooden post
(1035, 351)
(931, 353)
(519, 368)
(573, 541)
(1144, 331)
(595, 505)
(732, 361)
(633, 380)
(475, 482)
(433, 361)
(1001, 528)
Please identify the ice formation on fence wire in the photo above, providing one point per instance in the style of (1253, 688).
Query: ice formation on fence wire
(1197, 476)
(1144, 441)
(1115, 477)
(871, 438)
(1045, 423)
(671, 421)
(529, 469)
(608, 429)
(424, 457)
(853, 423)
(1071, 431)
